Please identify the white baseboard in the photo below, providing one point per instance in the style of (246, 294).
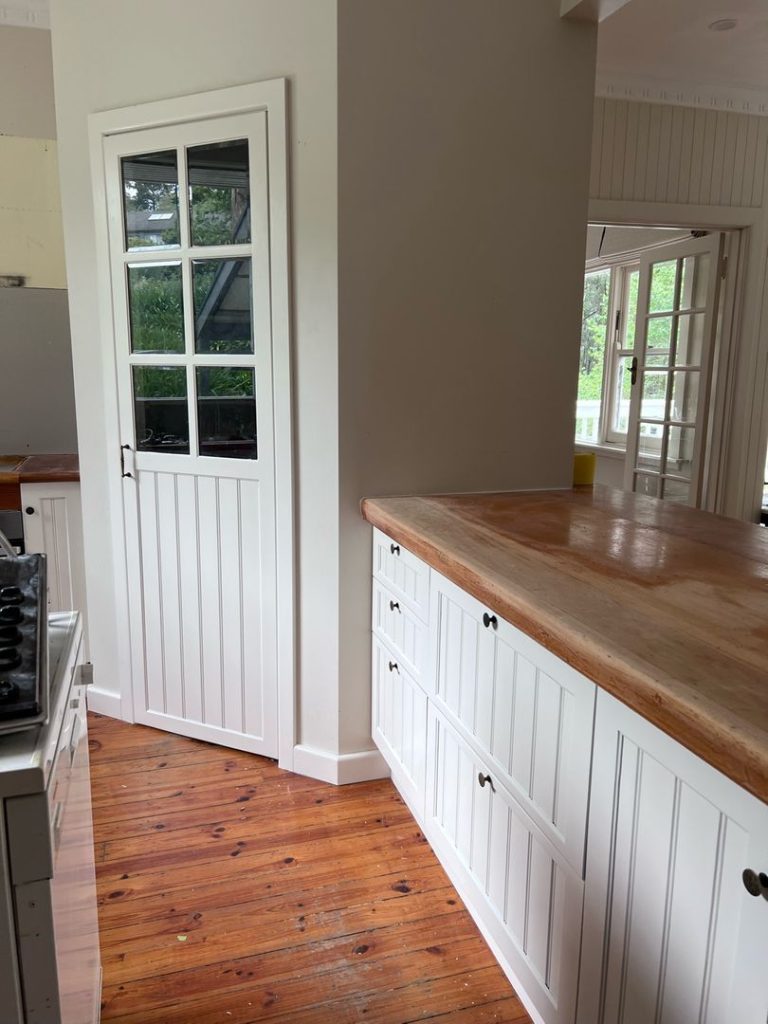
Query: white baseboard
(339, 769)
(105, 702)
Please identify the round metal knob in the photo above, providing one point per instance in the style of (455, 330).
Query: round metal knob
(394, 549)
(29, 510)
(483, 779)
(394, 667)
(490, 620)
(756, 883)
(393, 605)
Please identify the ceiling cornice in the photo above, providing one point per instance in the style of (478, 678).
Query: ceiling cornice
(644, 89)
(25, 14)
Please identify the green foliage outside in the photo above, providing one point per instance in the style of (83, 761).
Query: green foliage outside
(593, 326)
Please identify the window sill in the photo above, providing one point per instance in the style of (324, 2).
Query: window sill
(608, 450)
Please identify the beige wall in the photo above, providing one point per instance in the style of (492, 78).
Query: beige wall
(221, 45)
(26, 83)
(668, 164)
(464, 147)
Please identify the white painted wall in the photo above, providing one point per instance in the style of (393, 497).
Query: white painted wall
(464, 137)
(109, 54)
(654, 163)
(26, 83)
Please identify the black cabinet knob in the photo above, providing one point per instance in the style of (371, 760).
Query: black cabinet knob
(394, 667)
(490, 621)
(756, 883)
(483, 779)
(394, 605)
(29, 510)
(394, 549)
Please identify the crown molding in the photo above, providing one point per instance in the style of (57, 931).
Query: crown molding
(26, 14)
(642, 89)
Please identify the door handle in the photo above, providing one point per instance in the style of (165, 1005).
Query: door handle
(633, 371)
(123, 449)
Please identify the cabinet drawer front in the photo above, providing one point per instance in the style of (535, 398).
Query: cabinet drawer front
(399, 710)
(404, 632)
(529, 713)
(525, 896)
(405, 574)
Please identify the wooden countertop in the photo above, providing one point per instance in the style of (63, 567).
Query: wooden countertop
(29, 469)
(664, 606)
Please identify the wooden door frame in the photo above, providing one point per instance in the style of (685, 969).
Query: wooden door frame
(271, 98)
(737, 452)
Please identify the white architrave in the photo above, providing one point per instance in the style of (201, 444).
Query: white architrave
(590, 10)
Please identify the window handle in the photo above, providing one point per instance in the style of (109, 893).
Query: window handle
(633, 371)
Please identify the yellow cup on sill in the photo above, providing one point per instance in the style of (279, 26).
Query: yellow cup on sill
(583, 469)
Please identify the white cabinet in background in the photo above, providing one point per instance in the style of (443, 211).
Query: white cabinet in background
(53, 525)
(671, 935)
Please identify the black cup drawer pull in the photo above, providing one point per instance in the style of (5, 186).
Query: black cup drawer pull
(394, 667)
(394, 606)
(482, 779)
(490, 621)
(394, 549)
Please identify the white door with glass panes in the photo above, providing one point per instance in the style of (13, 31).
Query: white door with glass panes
(188, 219)
(670, 371)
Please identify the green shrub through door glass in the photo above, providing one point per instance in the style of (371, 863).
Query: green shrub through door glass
(222, 294)
(156, 307)
(226, 411)
(160, 409)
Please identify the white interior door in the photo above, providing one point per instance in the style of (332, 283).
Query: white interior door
(671, 371)
(188, 212)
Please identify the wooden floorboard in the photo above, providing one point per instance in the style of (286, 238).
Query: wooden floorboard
(232, 892)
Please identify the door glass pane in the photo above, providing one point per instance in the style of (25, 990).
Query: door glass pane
(676, 490)
(219, 193)
(622, 395)
(647, 483)
(680, 451)
(156, 307)
(663, 276)
(695, 281)
(685, 395)
(594, 322)
(151, 200)
(630, 308)
(660, 333)
(222, 291)
(654, 400)
(160, 408)
(226, 412)
(650, 436)
(690, 339)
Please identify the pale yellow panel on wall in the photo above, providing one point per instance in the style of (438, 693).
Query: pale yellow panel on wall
(31, 237)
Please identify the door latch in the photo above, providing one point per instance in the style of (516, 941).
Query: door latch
(123, 449)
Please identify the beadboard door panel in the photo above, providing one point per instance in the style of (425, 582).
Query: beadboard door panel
(529, 714)
(526, 898)
(53, 525)
(400, 724)
(670, 933)
(405, 574)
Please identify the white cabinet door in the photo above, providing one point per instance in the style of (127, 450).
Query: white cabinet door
(524, 896)
(529, 713)
(671, 936)
(400, 724)
(53, 525)
(403, 573)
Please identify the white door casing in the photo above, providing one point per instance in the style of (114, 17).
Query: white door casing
(667, 437)
(206, 540)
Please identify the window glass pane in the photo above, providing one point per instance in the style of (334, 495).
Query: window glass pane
(660, 333)
(226, 412)
(695, 281)
(653, 402)
(690, 339)
(650, 436)
(630, 308)
(663, 276)
(156, 307)
(680, 451)
(676, 490)
(685, 395)
(219, 194)
(160, 408)
(151, 200)
(622, 395)
(594, 322)
(647, 483)
(222, 291)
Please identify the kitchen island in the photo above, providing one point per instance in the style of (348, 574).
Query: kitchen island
(571, 689)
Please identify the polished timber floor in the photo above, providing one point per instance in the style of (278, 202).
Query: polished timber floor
(231, 891)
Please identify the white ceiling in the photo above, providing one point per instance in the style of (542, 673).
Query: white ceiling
(664, 50)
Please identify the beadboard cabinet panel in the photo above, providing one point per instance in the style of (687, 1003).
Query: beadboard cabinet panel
(529, 713)
(400, 724)
(404, 574)
(671, 934)
(528, 899)
(397, 625)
